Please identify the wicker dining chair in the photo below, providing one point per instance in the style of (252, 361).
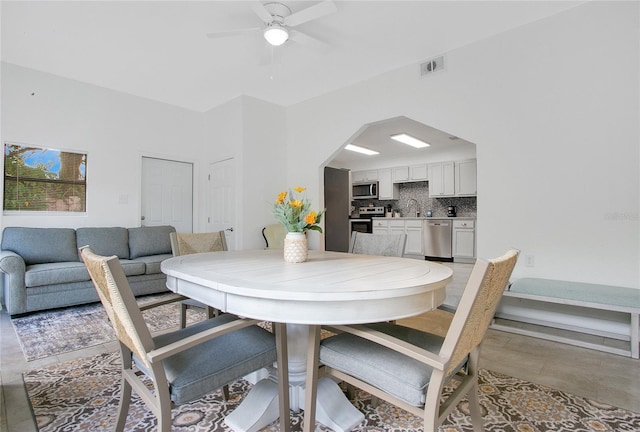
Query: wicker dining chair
(409, 368)
(182, 365)
(377, 244)
(192, 243)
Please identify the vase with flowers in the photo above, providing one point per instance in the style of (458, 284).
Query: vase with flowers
(294, 211)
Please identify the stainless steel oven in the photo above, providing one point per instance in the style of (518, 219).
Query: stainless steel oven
(361, 225)
(363, 222)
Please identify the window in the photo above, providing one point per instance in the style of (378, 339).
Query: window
(40, 179)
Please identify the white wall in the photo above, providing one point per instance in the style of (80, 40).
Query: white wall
(115, 129)
(252, 132)
(553, 110)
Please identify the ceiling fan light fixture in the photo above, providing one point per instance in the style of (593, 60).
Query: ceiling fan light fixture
(276, 34)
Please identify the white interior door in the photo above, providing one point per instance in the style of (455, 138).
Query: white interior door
(167, 194)
(222, 213)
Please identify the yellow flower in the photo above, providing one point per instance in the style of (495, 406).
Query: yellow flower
(311, 218)
(281, 197)
(294, 212)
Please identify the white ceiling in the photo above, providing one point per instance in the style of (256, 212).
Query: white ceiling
(377, 136)
(158, 49)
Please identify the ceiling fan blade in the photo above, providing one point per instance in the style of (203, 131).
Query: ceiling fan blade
(261, 11)
(323, 8)
(228, 33)
(305, 39)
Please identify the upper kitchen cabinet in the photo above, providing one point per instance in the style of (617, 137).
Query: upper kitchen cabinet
(441, 179)
(410, 173)
(449, 179)
(387, 190)
(466, 184)
(361, 176)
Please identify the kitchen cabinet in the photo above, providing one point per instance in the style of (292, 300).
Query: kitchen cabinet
(400, 174)
(449, 179)
(387, 190)
(418, 172)
(441, 179)
(360, 176)
(380, 226)
(464, 242)
(410, 173)
(412, 228)
(465, 180)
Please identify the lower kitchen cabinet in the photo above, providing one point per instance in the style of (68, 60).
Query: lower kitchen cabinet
(380, 226)
(464, 240)
(412, 228)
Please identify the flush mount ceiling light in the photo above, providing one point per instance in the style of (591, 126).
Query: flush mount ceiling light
(408, 139)
(276, 34)
(362, 150)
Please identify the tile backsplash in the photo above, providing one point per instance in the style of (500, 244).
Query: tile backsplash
(466, 206)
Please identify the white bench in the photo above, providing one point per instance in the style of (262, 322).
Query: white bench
(580, 295)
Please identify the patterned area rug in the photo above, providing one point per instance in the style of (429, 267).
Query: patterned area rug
(82, 395)
(48, 333)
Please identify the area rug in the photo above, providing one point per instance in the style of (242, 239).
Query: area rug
(48, 333)
(82, 395)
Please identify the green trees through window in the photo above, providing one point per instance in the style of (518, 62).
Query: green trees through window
(40, 179)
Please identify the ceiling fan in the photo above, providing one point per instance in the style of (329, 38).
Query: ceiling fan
(278, 22)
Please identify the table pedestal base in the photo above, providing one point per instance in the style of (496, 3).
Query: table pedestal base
(257, 410)
(260, 407)
(333, 409)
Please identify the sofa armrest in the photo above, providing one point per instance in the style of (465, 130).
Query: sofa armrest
(14, 289)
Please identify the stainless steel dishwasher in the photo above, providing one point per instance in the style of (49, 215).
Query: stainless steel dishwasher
(437, 239)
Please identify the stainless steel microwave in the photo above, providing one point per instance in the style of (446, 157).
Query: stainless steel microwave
(364, 190)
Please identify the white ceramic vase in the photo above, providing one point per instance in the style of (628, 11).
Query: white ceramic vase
(295, 247)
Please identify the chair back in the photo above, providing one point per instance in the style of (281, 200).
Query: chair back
(191, 243)
(274, 235)
(377, 244)
(477, 307)
(119, 302)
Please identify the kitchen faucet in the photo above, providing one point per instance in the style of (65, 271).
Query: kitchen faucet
(415, 201)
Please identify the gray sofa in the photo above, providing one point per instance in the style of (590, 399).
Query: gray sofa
(41, 267)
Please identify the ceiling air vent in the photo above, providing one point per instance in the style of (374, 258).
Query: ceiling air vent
(431, 66)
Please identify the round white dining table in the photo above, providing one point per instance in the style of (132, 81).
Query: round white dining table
(329, 288)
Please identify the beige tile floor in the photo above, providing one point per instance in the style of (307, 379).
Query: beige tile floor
(604, 377)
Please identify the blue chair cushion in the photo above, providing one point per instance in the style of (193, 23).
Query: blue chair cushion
(384, 368)
(213, 364)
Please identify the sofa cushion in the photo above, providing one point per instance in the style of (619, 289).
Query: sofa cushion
(42, 245)
(152, 262)
(145, 241)
(55, 273)
(105, 241)
(133, 268)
